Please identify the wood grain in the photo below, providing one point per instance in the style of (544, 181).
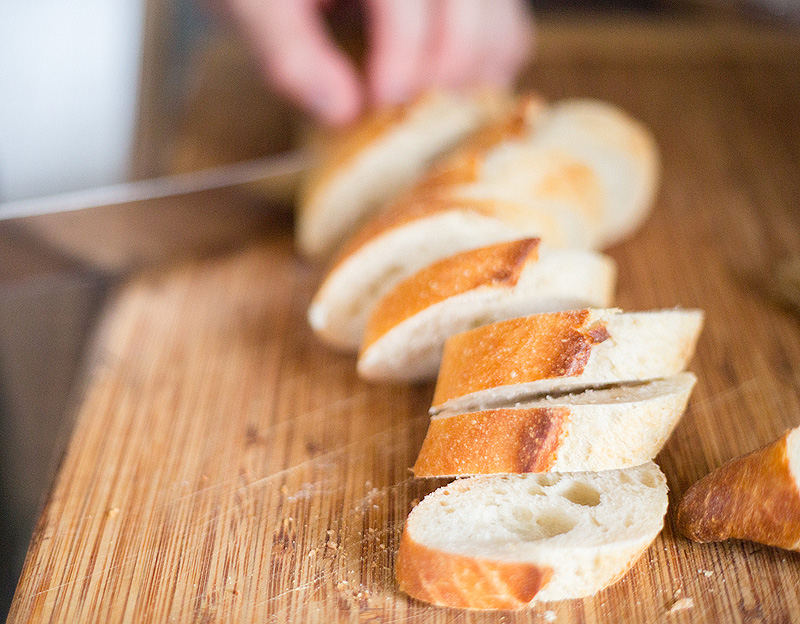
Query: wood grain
(226, 466)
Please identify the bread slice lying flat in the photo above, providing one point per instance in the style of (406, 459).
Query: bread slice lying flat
(755, 497)
(616, 427)
(618, 149)
(505, 541)
(559, 351)
(380, 157)
(409, 325)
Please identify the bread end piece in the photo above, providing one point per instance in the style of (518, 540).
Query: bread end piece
(755, 497)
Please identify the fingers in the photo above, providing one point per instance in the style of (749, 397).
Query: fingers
(510, 30)
(291, 42)
(418, 44)
(480, 42)
(399, 34)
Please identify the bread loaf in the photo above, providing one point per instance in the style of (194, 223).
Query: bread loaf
(593, 430)
(755, 497)
(559, 351)
(505, 541)
(409, 325)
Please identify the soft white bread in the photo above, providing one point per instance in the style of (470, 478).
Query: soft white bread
(409, 325)
(505, 541)
(618, 149)
(381, 156)
(755, 497)
(559, 351)
(617, 427)
(455, 209)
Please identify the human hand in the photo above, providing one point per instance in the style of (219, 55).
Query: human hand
(412, 45)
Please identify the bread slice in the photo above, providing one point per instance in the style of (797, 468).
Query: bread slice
(619, 150)
(381, 156)
(506, 541)
(755, 497)
(616, 427)
(559, 351)
(409, 325)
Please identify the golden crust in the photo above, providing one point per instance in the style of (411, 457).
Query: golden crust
(520, 350)
(493, 441)
(452, 580)
(495, 266)
(753, 497)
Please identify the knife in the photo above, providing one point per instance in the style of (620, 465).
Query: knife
(130, 226)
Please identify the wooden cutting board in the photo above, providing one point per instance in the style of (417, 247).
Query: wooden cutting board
(226, 466)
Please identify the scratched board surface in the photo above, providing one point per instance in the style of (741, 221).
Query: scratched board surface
(226, 466)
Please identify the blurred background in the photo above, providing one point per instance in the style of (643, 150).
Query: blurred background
(104, 92)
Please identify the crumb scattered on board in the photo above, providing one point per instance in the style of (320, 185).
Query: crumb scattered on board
(681, 604)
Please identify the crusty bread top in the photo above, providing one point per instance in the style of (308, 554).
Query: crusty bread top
(754, 497)
(547, 352)
(542, 346)
(496, 265)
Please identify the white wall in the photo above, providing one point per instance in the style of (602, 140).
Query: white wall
(69, 72)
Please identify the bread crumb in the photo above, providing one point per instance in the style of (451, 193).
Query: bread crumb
(284, 489)
(549, 616)
(681, 604)
(113, 512)
(705, 572)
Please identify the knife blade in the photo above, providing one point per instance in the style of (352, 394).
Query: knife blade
(129, 226)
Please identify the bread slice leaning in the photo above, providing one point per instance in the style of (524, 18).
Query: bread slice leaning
(506, 541)
(594, 430)
(380, 157)
(560, 351)
(407, 328)
(754, 497)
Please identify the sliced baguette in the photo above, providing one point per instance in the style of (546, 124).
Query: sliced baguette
(409, 325)
(618, 149)
(559, 351)
(506, 541)
(384, 154)
(593, 430)
(458, 207)
(755, 497)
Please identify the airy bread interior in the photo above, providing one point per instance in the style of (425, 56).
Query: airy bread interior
(588, 527)
(620, 152)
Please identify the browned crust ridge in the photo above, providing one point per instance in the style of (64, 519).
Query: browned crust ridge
(493, 441)
(520, 350)
(452, 580)
(497, 266)
(754, 497)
